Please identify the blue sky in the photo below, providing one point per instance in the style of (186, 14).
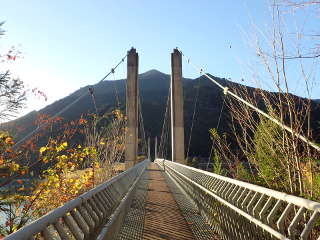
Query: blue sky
(68, 44)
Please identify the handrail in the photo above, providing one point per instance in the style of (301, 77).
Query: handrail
(240, 210)
(85, 215)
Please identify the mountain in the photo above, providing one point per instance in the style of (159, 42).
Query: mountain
(153, 89)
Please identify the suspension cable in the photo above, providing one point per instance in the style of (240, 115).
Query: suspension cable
(167, 137)
(143, 134)
(116, 90)
(8, 181)
(142, 123)
(217, 127)
(193, 115)
(163, 135)
(91, 91)
(227, 91)
(164, 128)
(65, 108)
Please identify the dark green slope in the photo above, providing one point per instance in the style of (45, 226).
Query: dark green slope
(153, 87)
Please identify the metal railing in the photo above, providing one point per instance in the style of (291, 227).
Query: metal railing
(96, 214)
(239, 210)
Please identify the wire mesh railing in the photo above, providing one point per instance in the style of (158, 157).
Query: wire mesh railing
(240, 210)
(96, 214)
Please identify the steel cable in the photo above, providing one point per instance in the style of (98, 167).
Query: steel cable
(227, 91)
(65, 108)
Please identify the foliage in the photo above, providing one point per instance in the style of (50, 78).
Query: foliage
(13, 207)
(193, 162)
(268, 157)
(8, 157)
(217, 163)
(58, 185)
(107, 135)
(12, 91)
(244, 174)
(12, 197)
(70, 169)
(266, 154)
(77, 169)
(223, 160)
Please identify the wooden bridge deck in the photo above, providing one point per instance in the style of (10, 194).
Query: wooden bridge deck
(159, 211)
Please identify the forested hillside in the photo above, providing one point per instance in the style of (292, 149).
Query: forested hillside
(154, 88)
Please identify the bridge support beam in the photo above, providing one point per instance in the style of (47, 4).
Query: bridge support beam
(131, 148)
(177, 123)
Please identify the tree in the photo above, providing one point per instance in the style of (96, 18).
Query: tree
(12, 99)
(275, 157)
(12, 91)
(268, 157)
(313, 35)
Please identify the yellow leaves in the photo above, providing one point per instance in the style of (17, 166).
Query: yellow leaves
(71, 180)
(3, 135)
(118, 115)
(89, 151)
(61, 147)
(96, 165)
(62, 157)
(75, 192)
(53, 179)
(42, 149)
(63, 180)
(86, 151)
(14, 167)
(60, 188)
(45, 160)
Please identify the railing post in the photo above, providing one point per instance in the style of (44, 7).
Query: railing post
(131, 150)
(177, 123)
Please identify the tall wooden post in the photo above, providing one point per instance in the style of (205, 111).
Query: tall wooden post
(177, 123)
(131, 150)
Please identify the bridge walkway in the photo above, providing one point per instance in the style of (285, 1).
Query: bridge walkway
(160, 210)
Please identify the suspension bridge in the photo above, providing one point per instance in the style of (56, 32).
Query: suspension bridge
(165, 199)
